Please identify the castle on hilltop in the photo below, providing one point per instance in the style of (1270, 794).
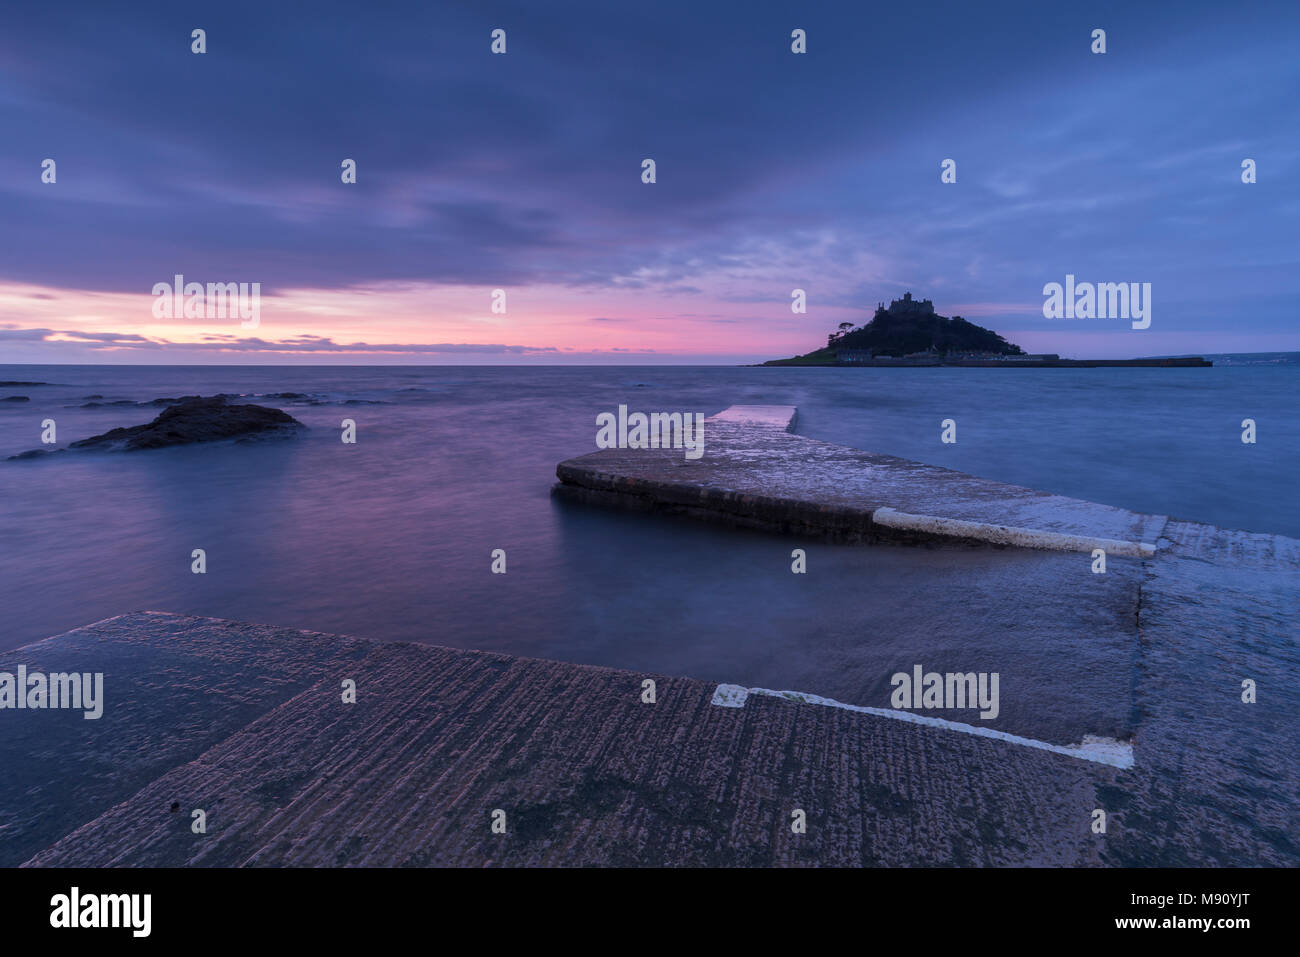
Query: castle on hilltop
(909, 306)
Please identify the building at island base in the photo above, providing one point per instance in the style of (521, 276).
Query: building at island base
(863, 358)
(867, 357)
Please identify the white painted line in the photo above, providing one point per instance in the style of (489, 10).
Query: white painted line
(1117, 754)
(1009, 534)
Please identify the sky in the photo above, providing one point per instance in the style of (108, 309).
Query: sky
(522, 172)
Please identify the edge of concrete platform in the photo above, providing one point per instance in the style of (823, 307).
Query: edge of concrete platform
(589, 480)
(287, 775)
(767, 416)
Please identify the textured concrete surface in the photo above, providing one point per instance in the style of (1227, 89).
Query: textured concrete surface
(174, 688)
(586, 773)
(1218, 607)
(755, 473)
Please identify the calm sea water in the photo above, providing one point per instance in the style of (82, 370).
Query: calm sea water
(391, 538)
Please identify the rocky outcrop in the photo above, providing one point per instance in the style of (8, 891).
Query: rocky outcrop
(151, 404)
(34, 454)
(196, 419)
(192, 419)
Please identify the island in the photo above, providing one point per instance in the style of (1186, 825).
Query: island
(908, 332)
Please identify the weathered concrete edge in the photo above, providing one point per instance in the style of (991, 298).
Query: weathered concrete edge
(1101, 750)
(781, 417)
(839, 523)
(81, 628)
(592, 486)
(705, 688)
(727, 695)
(1009, 534)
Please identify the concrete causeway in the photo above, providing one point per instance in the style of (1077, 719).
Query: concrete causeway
(756, 473)
(248, 723)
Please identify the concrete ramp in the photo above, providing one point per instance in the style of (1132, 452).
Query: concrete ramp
(755, 473)
(584, 770)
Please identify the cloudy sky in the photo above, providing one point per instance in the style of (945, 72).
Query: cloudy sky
(523, 172)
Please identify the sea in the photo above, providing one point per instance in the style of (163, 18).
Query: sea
(392, 537)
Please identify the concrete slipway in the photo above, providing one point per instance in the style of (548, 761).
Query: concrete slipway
(247, 722)
(757, 473)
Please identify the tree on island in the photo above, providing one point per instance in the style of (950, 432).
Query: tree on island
(843, 330)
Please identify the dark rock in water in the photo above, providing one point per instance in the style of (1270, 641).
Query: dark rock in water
(171, 401)
(95, 396)
(10, 383)
(286, 395)
(152, 403)
(16, 398)
(196, 419)
(188, 419)
(34, 454)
